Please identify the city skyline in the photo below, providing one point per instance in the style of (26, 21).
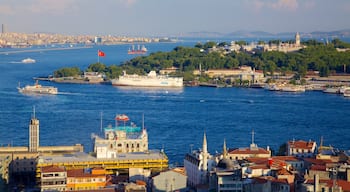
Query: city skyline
(164, 18)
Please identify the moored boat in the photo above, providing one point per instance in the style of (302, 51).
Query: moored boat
(335, 90)
(37, 89)
(346, 92)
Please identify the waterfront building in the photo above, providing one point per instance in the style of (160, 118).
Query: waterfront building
(123, 138)
(197, 165)
(243, 73)
(93, 77)
(252, 151)
(301, 148)
(171, 180)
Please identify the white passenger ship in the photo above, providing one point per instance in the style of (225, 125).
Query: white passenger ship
(150, 80)
(37, 89)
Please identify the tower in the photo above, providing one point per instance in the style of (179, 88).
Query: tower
(3, 28)
(205, 153)
(297, 39)
(224, 150)
(34, 133)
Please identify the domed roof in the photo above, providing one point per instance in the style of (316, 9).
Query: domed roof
(226, 164)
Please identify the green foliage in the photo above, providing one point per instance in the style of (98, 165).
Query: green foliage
(67, 72)
(339, 44)
(317, 56)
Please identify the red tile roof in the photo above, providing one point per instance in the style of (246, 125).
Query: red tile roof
(81, 173)
(301, 144)
(50, 169)
(345, 185)
(318, 167)
(248, 151)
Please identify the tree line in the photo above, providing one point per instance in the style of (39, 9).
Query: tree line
(317, 56)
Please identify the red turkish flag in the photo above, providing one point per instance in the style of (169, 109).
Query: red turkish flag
(100, 53)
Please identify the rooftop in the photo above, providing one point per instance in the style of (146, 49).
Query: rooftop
(83, 157)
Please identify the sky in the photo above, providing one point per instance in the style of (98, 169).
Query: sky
(172, 17)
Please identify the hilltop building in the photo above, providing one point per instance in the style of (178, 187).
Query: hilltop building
(286, 47)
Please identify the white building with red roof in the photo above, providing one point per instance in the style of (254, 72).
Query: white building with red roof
(252, 151)
(301, 148)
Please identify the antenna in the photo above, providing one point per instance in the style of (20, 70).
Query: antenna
(101, 113)
(34, 112)
(253, 136)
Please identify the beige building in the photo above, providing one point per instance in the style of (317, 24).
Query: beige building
(123, 138)
(243, 73)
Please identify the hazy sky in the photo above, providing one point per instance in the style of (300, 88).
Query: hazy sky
(172, 17)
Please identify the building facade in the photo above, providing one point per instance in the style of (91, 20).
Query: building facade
(123, 138)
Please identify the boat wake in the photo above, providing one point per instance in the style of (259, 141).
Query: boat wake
(68, 93)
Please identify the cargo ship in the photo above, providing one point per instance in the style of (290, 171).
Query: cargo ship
(150, 80)
(37, 89)
(142, 50)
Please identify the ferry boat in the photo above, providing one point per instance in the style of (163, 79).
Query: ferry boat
(28, 60)
(37, 89)
(150, 80)
(142, 50)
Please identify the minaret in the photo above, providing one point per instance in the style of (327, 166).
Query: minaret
(205, 153)
(34, 133)
(253, 146)
(224, 150)
(297, 39)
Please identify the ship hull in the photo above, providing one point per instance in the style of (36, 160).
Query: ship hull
(170, 82)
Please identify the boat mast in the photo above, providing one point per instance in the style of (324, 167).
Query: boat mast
(143, 121)
(101, 113)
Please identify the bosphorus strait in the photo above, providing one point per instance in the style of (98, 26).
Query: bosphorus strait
(174, 118)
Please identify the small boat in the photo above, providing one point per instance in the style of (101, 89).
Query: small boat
(334, 90)
(346, 92)
(37, 89)
(28, 60)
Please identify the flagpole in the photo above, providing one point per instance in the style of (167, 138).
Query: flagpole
(98, 56)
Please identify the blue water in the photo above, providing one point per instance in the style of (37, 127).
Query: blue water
(175, 118)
